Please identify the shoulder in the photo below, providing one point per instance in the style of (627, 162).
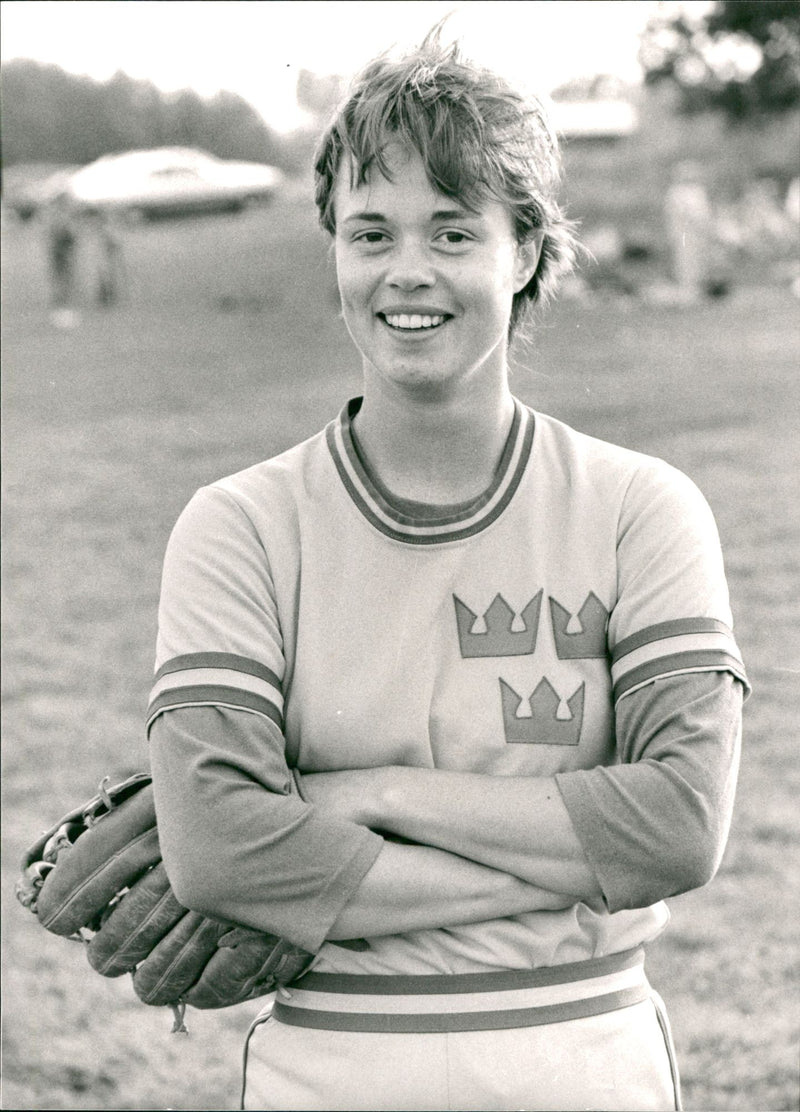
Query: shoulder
(267, 492)
(280, 476)
(639, 497)
(600, 463)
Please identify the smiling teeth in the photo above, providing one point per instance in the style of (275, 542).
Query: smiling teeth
(412, 321)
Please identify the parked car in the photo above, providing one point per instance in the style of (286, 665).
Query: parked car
(171, 181)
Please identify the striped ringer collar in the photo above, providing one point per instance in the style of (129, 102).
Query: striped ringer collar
(418, 522)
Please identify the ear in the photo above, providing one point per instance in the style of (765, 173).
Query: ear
(528, 255)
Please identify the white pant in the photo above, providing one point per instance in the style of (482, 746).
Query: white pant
(616, 1060)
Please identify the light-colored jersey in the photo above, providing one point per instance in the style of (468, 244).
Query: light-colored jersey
(493, 637)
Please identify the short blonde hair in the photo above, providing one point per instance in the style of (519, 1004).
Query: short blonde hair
(478, 138)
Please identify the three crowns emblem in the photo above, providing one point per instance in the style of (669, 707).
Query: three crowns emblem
(503, 633)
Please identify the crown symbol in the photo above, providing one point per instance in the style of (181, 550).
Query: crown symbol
(542, 726)
(500, 637)
(590, 640)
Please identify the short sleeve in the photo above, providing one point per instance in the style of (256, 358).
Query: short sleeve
(672, 615)
(219, 640)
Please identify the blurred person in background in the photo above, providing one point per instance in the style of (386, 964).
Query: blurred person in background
(107, 267)
(760, 230)
(792, 203)
(690, 231)
(61, 244)
(447, 694)
(792, 206)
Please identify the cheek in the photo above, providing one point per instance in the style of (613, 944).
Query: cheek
(494, 274)
(509, 269)
(353, 282)
(493, 286)
(342, 273)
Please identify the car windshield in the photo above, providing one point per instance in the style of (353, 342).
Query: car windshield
(172, 171)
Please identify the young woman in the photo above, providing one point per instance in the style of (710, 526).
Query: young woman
(452, 685)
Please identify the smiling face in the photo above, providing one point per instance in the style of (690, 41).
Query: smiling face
(426, 284)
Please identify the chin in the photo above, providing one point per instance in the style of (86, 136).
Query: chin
(410, 374)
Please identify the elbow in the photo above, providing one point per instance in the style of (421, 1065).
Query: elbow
(694, 869)
(705, 833)
(668, 840)
(662, 876)
(196, 884)
(708, 847)
(680, 864)
(693, 825)
(693, 859)
(193, 886)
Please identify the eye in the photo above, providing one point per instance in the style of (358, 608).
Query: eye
(453, 238)
(371, 237)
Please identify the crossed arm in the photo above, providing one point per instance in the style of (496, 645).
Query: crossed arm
(266, 859)
(418, 887)
(483, 847)
(650, 827)
(519, 827)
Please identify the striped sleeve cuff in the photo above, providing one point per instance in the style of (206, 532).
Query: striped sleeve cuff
(672, 649)
(216, 680)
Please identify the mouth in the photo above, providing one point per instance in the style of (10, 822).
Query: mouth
(414, 322)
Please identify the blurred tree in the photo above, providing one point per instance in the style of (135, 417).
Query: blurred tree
(184, 119)
(318, 94)
(49, 115)
(740, 56)
(125, 113)
(233, 129)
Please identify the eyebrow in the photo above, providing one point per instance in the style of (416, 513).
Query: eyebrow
(440, 214)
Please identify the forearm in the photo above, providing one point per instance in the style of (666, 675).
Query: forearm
(515, 825)
(518, 825)
(413, 887)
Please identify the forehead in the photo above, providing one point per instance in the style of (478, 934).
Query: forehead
(407, 192)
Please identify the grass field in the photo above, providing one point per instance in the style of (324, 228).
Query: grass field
(226, 350)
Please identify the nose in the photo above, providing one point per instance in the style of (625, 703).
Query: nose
(410, 267)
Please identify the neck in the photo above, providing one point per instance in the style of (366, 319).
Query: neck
(440, 451)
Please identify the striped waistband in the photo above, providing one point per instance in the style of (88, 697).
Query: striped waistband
(464, 1001)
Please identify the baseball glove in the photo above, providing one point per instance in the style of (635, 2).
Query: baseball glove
(97, 876)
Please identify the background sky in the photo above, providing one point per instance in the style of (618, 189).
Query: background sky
(257, 47)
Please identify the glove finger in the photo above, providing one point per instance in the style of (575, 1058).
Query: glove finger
(178, 960)
(239, 971)
(63, 838)
(30, 883)
(111, 855)
(137, 923)
(286, 961)
(100, 804)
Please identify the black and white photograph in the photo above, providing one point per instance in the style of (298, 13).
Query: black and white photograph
(400, 555)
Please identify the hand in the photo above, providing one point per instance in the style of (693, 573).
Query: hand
(350, 795)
